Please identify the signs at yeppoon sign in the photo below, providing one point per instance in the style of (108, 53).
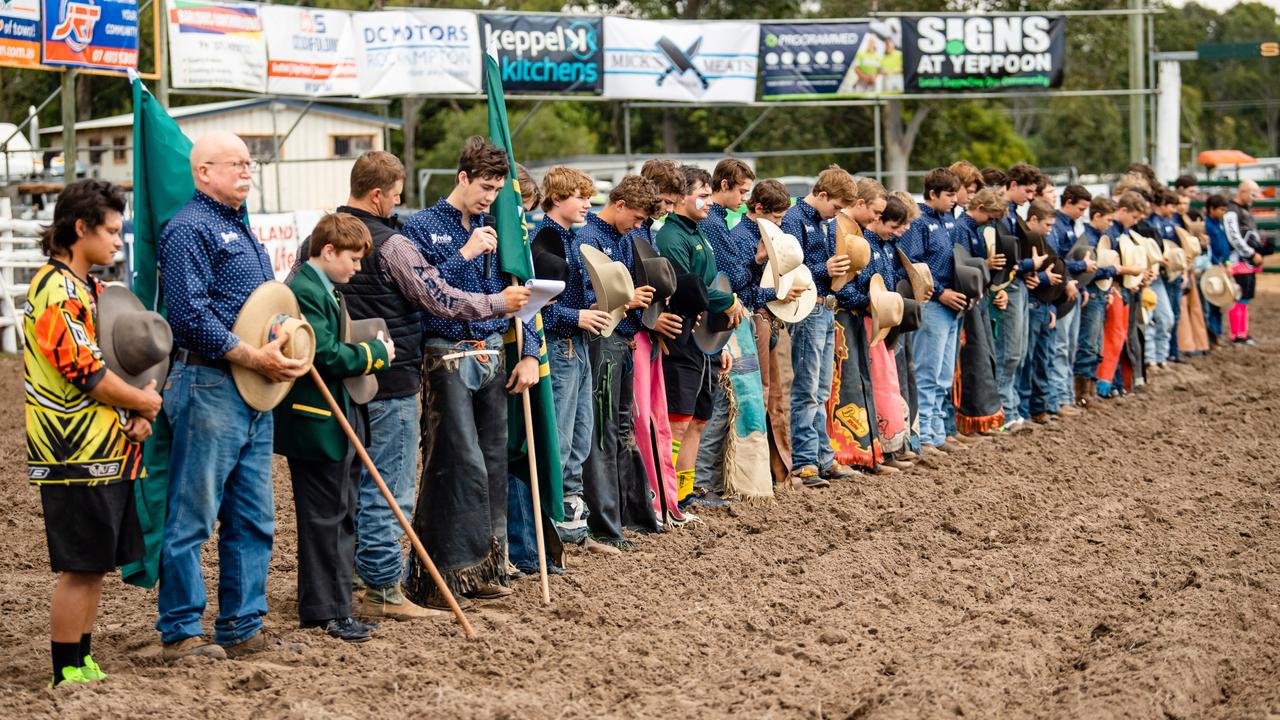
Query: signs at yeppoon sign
(800, 61)
(546, 53)
(983, 53)
(710, 61)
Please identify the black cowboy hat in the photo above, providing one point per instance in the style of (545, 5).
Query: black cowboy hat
(1006, 245)
(1082, 250)
(690, 298)
(549, 266)
(658, 273)
(911, 313)
(714, 332)
(547, 240)
(1047, 293)
(1062, 305)
(969, 273)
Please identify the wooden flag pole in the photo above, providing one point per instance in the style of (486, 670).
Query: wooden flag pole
(533, 468)
(395, 507)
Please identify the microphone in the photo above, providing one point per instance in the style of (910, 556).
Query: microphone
(488, 257)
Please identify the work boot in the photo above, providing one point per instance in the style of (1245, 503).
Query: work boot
(1043, 418)
(596, 547)
(195, 646)
(838, 471)
(259, 642)
(1070, 411)
(390, 603)
(966, 439)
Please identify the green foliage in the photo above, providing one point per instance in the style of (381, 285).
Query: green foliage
(975, 130)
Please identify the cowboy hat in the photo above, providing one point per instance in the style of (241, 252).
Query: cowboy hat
(1082, 251)
(612, 285)
(1175, 259)
(1002, 243)
(1130, 255)
(884, 308)
(1046, 293)
(1219, 288)
(911, 313)
(1190, 243)
(362, 388)
(797, 309)
(1107, 258)
(968, 275)
(1154, 254)
(271, 311)
(714, 332)
(690, 298)
(918, 275)
(1063, 307)
(549, 266)
(1149, 302)
(850, 243)
(135, 342)
(658, 273)
(785, 255)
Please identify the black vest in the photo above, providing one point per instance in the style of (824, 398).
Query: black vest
(370, 293)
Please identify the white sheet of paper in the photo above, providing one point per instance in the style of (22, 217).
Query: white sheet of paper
(540, 291)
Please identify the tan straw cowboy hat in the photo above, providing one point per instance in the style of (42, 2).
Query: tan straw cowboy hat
(612, 284)
(1190, 243)
(1219, 288)
(850, 243)
(271, 311)
(885, 308)
(918, 275)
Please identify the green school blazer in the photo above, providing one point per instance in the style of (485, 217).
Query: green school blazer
(305, 428)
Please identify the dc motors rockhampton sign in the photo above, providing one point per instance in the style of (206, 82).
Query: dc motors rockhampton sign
(546, 53)
(983, 53)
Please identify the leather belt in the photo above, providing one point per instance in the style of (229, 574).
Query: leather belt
(186, 357)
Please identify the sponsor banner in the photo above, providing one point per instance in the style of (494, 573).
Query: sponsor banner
(417, 52)
(217, 45)
(984, 53)
(278, 233)
(681, 60)
(830, 60)
(546, 53)
(20, 33)
(309, 51)
(100, 34)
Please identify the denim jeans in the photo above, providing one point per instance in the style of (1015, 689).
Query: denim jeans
(571, 389)
(1034, 389)
(935, 350)
(1089, 344)
(220, 472)
(813, 357)
(708, 472)
(1174, 289)
(1011, 348)
(393, 447)
(522, 539)
(1155, 334)
(1066, 338)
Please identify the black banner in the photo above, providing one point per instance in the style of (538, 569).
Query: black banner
(546, 53)
(944, 53)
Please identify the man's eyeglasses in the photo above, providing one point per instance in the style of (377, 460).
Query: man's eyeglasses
(238, 165)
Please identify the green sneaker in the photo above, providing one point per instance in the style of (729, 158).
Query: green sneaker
(70, 675)
(91, 671)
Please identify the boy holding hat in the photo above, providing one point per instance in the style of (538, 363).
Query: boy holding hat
(1061, 239)
(85, 422)
(1034, 384)
(1093, 307)
(320, 456)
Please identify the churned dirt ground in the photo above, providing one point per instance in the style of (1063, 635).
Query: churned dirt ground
(1122, 565)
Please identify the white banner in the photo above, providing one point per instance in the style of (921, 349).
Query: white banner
(310, 52)
(417, 52)
(680, 60)
(278, 233)
(217, 44)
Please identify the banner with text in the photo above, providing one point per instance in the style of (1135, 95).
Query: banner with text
(309, 52)
(545, 53)
(981, 53)
(102, 34)
(806, 61)
(278, 233)
(20, 33)
(681, 60)
(417, 52)
(217, 45)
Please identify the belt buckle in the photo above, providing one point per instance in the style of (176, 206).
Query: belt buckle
(830, 302)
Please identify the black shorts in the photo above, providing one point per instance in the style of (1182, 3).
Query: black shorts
(1248, 283)
(688, 373)
(91, 529)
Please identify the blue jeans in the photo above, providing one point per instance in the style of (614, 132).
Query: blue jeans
(1155, 334)
(1174, 289)
(522, 539)
(1066, 337)
(220, 471)
(571, 389)
(708, 471)
(935, 351)
(393, 447)
(813, 357)
(1093, 315)
(1011, 348)
(1034, 390)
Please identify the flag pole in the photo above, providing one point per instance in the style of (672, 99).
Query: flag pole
(533, 469)
(395, 507)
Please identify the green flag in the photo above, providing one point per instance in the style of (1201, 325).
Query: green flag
(162, 184)
(514, 259)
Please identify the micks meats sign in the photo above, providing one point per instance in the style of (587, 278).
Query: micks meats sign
(983, 53)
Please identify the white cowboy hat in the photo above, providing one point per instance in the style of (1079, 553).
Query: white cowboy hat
(1219, 288)
(797, 309)
(1131, 254)
(1107, 258)
(270, 311)
(785, 255)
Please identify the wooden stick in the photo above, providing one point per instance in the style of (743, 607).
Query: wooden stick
(533, 467)
(395, 507)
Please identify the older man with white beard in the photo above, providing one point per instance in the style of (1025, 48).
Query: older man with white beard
(220, 461)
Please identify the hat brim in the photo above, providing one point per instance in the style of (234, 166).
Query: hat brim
(114, 302)
(885, 310)
(801, 307)
(708, 340)
(270, 299)
(1224, 298)
(362, 388)
(781, 274)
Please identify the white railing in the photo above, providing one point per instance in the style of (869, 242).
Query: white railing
(20, 256)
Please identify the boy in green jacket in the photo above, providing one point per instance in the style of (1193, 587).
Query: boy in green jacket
(320, 457)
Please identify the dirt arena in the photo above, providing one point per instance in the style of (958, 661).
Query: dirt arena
(1122, 565)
